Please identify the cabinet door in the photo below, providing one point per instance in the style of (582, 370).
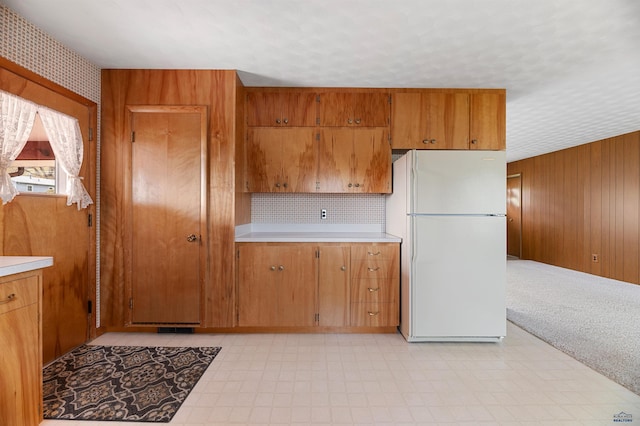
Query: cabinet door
(408, 122)
(258, 278)
(354, 160)
(20, 353)
(281, 160)
(446, 120)
(277, 109)
(371, 161)
(339, 109)
(430, 120)
(488, 127)
(333, 286)
(296, 286)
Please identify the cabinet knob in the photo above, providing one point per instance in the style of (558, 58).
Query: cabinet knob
(372, 290)
(285, 121)
(277, 184)
(433, 141)
(474, 141)
(350, 185)
(192, 238)
(343, 268)
(10, 298)
(425, 141)
(358, 121)
(277, 121)
(357, 185)
(350, 121)
(373, 269)
(281, 268)
(372, 314)
(273, 268)
(284, 184)
(373, 254)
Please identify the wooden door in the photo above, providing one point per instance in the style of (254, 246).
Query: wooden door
(281, 160)
(334, 159)
(168, 188)
(333, 286)
(43, 225)
(488, 125)
(257, 285)
(514, 216)
(297, 284)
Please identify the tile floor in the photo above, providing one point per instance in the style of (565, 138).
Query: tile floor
(379, 379)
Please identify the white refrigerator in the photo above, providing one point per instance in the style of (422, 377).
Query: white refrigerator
(449, 207)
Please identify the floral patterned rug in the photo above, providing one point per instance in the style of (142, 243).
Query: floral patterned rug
(122, 383)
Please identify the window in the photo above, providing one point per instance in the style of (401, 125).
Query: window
(35, 170)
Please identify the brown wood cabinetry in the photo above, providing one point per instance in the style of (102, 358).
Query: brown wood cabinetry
(21, 349)
(281, 160)
(362, 109)
(354, 160)
(282, 109)
(374, 285)
(322, 285)
(449, 119)
(276, 285)
(430, 120)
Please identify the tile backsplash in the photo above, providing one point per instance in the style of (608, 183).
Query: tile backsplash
(306, 208)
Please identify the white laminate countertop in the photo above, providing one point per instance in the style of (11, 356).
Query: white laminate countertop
(302, 233)
(10, 265)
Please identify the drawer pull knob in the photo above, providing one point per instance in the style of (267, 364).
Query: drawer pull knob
(373, 269)
(343, 268)
(281, 268)
(373, 254)
(10, 298)
(373, 314)
(273, 268)
(371, 290)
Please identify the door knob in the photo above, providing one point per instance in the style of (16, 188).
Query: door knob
(192, 238)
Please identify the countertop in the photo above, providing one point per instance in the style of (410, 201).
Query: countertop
(311, 233)
(10, 265)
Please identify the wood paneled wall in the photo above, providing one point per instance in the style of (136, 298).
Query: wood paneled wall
(217, 90)
(581, 202)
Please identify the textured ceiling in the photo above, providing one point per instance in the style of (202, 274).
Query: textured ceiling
(571, 67)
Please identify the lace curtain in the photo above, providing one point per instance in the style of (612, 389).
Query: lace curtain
(66, 141)
(16, 121)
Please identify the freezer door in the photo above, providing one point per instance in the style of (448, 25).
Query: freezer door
(458, 277)
(459, 182)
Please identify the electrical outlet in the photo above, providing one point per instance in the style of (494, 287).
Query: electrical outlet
(594, 258)
(323, 214)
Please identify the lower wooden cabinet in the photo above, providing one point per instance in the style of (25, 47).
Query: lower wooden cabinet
(323, 284)
(21, 349)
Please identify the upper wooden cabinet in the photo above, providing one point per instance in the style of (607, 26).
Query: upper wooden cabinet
(430, 120)
(281, 160)
(281, 109)
(362, 109)
(488, 121)
(354, 160)
(442, 119)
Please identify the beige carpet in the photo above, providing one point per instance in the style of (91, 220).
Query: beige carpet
(593, 319)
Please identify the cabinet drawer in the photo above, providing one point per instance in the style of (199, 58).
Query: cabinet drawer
(374, 291)
(374, 314)
(371, 269)
(18, 293)
(374, 251)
